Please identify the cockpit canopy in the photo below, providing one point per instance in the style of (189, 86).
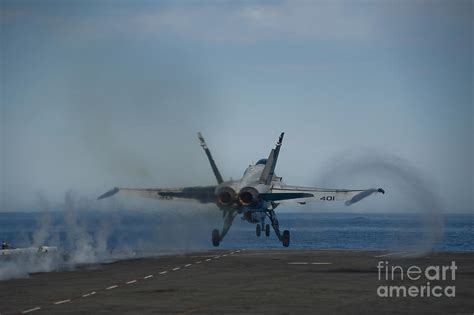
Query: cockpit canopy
(261, 162)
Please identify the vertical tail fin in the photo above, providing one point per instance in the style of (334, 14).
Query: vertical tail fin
(269, 169)
(211, 160)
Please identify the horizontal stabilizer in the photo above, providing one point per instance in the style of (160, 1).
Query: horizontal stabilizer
(109, 193)
(364, 194)
(284, 196)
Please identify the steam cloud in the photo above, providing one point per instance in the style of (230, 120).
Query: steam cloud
(87, 228)
(397, 176)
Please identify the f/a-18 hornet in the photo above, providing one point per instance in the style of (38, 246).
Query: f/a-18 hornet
(255, 196)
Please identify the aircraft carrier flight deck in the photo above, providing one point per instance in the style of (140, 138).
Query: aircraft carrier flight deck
(244, 281)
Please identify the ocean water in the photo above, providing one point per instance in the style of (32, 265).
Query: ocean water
(166, 231)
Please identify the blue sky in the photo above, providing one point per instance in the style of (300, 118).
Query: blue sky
(97, 94)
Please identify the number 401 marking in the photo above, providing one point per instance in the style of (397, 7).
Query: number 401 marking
(327, 198)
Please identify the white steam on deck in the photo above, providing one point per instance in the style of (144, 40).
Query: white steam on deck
(77, 242)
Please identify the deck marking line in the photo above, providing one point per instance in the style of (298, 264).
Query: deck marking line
(209, 259)
(31, 310)
(131, 281)
(111, 287)
(93, 292)
(198, 262)
(413, 254)
(61, 302)
(86, 295)
(321, 263)
(297, 263)
(187, 265)
(177, 268)
(390, 254)
(148, 277)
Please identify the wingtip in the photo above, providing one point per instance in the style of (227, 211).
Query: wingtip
(280, 139)
(109, 193)
(201, 138)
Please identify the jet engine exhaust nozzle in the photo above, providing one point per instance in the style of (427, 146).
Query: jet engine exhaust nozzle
(248, 196)
(226, 196)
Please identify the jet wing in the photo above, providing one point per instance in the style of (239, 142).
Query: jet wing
(203, 194)
(350, 196)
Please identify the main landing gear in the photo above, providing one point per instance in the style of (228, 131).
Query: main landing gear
(229, 216)
(218, 237)
(285, 237)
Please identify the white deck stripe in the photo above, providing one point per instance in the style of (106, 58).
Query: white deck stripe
(146, 277)
(390, 254)
(321, 263)
(31, 310)
(413, 254)
(297, 263)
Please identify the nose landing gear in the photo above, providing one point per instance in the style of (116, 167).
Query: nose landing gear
(259, 228)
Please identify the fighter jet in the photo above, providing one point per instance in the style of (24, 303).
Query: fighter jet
(255, 196)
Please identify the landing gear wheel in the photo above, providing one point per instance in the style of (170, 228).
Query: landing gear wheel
(267, 230)
(286, 238)
(216, 238)
(258, 230)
